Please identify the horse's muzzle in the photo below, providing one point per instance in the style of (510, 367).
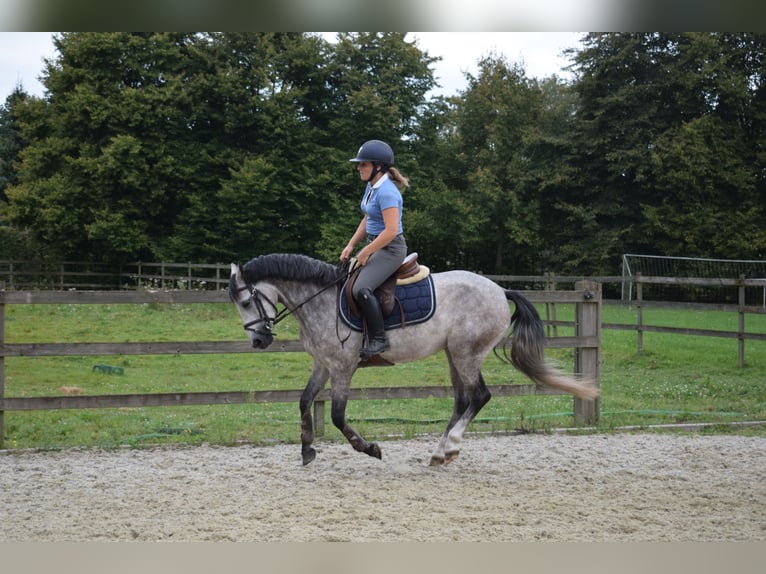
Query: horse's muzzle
(259, 340)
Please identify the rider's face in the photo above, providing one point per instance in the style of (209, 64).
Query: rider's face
(365, 170)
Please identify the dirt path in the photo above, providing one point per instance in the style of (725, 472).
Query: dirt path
(642, 487)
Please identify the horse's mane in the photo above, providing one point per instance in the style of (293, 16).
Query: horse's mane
(290, 267)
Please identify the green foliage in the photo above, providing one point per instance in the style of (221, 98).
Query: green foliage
(222, 146)
(495, 118)
(668, 143)
(204, 146)
(486, 165)
(10, 141)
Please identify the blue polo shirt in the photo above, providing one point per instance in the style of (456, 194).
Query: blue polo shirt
(382, 195)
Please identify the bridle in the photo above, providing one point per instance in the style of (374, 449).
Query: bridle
(267, 323)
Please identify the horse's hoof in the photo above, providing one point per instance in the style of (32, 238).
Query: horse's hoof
(436, 461)
(308, 456)
(374, 450)
(450, 456)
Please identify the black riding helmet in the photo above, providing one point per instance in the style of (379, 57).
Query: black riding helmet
(377, 152)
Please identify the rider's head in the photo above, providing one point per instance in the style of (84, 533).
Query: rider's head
(377, 152)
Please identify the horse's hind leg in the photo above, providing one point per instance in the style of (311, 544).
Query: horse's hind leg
(471, 394)
(466, 409)
(316, 383)
(439, 456)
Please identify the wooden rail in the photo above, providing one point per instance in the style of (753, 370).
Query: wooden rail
(640, 303)
(742, 309)
(586, 342)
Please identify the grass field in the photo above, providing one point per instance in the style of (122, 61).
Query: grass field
(676, 378)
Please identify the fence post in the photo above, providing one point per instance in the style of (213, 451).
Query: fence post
(588, 359)
(741, 311)
(550, 308)
(2, 373)
(639, 313)
(318, 418)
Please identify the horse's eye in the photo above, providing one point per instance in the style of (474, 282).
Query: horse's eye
(246, 304)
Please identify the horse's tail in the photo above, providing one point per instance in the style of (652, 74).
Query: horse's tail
(527, 340)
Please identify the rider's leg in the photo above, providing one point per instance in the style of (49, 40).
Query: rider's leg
(379, 267)
(377, 342)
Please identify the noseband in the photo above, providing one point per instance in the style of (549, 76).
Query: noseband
(267, 323)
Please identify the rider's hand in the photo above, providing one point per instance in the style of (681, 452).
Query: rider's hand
(346, 253)
(363, 256)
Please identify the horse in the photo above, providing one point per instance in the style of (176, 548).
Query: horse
(471, 318)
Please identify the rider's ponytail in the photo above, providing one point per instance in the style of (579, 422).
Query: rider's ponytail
(399, 180)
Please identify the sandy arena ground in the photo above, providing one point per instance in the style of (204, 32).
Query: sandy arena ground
(617, 487)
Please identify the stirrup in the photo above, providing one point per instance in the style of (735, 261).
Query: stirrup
(374, 347)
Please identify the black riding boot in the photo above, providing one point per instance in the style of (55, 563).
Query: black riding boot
(377, 342)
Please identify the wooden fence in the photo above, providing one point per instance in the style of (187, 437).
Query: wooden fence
(742, 309)
(214, 276)
(551, 281)
(27, 275)
(586, 342)
(64, 275)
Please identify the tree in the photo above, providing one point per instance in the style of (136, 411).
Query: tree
(260, 106)
(625, 96)
(494, 119)
(10, 140)
(14, 243)
(709, 170)
(104, 173)
(666, 124)
(195, 146)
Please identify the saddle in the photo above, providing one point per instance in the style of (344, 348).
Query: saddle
(410, 271)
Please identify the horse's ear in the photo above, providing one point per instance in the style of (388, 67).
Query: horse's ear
(236, 268)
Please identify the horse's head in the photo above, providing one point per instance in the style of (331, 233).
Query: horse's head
(257, 305)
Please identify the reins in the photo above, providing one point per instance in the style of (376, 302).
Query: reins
(256, 295)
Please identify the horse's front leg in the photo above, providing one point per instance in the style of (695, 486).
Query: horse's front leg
(339, 401)
(317, 380)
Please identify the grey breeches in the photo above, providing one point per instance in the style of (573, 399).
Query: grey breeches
(381, 265)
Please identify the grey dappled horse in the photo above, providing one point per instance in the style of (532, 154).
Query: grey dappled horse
(472, 316)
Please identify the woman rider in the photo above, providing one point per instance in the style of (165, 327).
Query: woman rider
(381, 226)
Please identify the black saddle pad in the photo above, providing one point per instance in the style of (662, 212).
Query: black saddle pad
(418, 300)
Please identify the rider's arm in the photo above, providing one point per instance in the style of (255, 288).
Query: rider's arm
(359, 234)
